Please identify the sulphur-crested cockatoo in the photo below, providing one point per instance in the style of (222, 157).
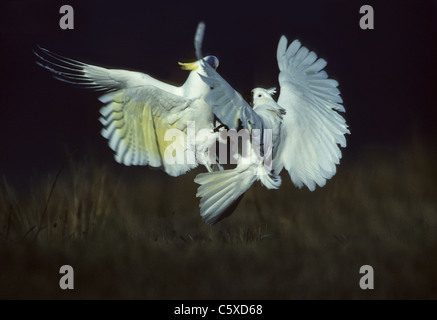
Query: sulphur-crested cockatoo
(140, 112)
(303, 125)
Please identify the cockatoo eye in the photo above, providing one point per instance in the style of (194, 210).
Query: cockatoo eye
(260, 95)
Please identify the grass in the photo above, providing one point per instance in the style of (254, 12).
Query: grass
(132, 233)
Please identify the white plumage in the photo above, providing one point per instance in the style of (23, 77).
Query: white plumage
(301, 132)
(311, 128)
(139, 109)
(306, 130)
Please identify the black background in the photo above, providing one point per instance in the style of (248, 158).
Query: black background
(386, 75)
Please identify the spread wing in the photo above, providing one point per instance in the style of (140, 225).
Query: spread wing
(198, 39)
(136, 121)
(228, 105)
(312, 128)
(139, 111)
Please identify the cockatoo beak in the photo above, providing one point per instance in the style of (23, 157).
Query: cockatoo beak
(189, 66)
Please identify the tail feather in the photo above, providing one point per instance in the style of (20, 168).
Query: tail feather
(269, 179)
(221, 191)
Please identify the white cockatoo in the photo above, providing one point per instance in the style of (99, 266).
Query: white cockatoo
(300, 132)
(304, 131)
(141, 111)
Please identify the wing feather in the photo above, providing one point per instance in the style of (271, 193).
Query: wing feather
(198, 39)
(312, 129)
(228, 105)
(220, 190)
(135, 122)
(138, 110)
(95, 77)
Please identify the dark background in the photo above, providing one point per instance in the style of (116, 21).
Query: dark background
(386, 75)
(136, 233)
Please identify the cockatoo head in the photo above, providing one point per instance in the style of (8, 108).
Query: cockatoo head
(260, 95)
(264, 104)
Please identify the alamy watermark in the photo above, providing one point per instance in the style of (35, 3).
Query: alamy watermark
(67, 20)
(367, 20)
(367, 280)
(67, 280)
(189, 146)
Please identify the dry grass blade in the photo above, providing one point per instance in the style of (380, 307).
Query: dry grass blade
(135, 233)
(44, 213)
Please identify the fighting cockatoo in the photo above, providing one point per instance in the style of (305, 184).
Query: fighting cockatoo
(305, 130)
(141, 113)
(300, 132)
